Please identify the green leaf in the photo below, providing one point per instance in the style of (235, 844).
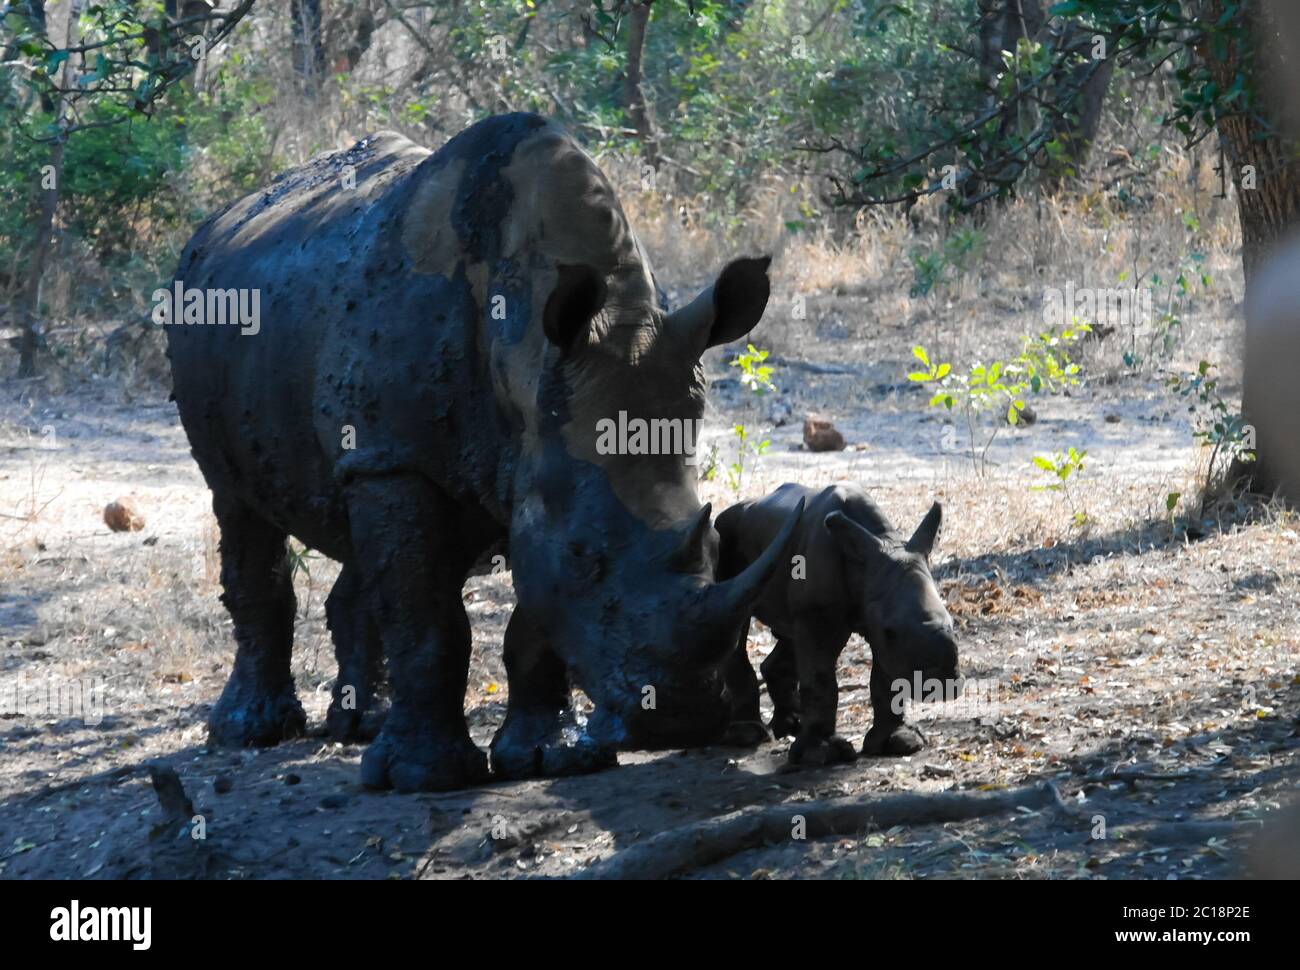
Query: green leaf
(919, 353)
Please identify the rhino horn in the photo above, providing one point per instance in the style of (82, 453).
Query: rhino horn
(922, 541)
(690, 553)
(724, 605)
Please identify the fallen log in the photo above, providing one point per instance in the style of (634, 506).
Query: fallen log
(702, 843)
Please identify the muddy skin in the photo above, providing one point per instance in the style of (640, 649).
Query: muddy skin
(440, 335)
(258, 705)
(860, 575)
(355, 712)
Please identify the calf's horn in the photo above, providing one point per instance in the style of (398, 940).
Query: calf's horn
(725, 604)
(922, 540)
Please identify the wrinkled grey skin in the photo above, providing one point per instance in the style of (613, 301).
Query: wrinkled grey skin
(440, 335)
(859, 575)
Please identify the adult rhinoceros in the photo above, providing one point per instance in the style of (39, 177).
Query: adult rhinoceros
(437, 338)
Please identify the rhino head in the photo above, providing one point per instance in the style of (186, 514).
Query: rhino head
(899, 610)
(614, 557)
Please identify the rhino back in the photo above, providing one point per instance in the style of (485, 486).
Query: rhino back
(746, 529)
(377, 305)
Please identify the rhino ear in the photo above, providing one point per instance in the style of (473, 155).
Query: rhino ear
(922, 540)
(854, 541)
(728, 309)
(578, 296)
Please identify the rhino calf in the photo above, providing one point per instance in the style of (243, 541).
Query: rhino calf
(856, 574)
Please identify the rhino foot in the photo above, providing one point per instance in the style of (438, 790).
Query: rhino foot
(258, 721)
(745, 734)
(784, 724)
(351, 725)
(423, 761)
(834, 750)
(894, 740)
(518, 753)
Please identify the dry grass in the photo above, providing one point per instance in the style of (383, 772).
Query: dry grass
(861, 279)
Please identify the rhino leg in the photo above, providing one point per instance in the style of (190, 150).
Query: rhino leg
(746, 728)
(354, 713)
(412, 560)
(816, 649)
(258, 705)
(781, 674)
(541, 736)
(888, 734)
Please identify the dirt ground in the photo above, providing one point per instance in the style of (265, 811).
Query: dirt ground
(1149, 669)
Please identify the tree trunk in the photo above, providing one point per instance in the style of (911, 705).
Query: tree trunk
(638, 111)
(1080, 92)
(37, 8)
(358, 27)
(34, 10)
(1258, 154)
(169, 44)
(29, 301)
(1082, 96)
(308, 44)
(1003, 25)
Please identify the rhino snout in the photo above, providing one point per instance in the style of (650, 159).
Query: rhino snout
(946, 669)
(933, 672)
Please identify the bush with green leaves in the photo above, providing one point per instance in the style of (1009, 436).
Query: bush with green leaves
(96, 136)
(739, 89)
(128, 187)
(115, 181)
(1215, 424)
(1044, 365)
(756, 378)
(1173, 296)
(1063, 466)
(1000, 134)
(960, 251)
